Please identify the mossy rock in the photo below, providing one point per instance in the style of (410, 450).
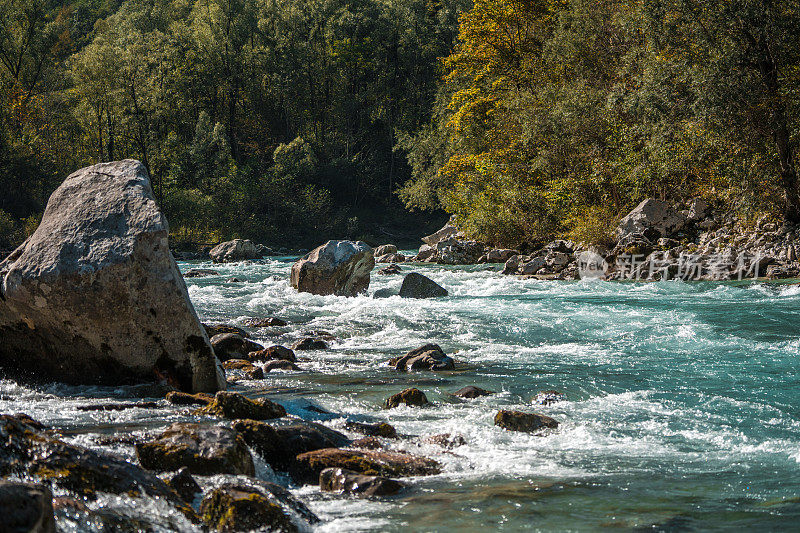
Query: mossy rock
(204, 450)
(379, 429)
(233, 405)
(239, 508)
(309, 465)
(412, 397)
(526, 422)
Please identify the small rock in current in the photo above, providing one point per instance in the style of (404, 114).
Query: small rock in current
(412, 397)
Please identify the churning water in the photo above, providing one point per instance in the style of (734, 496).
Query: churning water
(682, 410)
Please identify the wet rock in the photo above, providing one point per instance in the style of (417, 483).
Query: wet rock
(384, 293)
(527, 422)
(272, 353)
(427, 357)
(652, 218)
(337, 267)
(471, 391)
(233, 405)
(204, 450)
(269, 322)
(94, 295)
(310, 344)
(380, 429)
(548, 397)
(367, 443)
(216, 329)
(448, 230)
(391, 258)
(250, 370)
(280, 444)
(447, 440)
(418, 286)
(389, 270)
(26, 451)
(279, 364)
(234, 280)
(320, 333)
(183, 484)
(310, 465)
(26, 507)
(118, 406)
(184, 398)
(347, 481)
(235, 508)
(426, 253)
(200, 273)
(412, 397)
(25, 419)
(235, 250)
(385, 249)
(233, 346)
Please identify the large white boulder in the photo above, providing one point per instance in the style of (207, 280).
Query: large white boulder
(337, 267)
(448, 230)
(94, 295)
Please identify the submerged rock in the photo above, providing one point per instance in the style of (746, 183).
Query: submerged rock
(379, 429)
(235, 250)
(26, 507)
(342, 480)
(200, 273)
(471, 391)
(447, 440)
(250, 370)
(548, 397)
(280, 364)
(412, 397)
(337, 267)
(234, 508)
(310, 465)
(26, 451)
(310, 344)
(272, 353)
(94, 295)
(204, 450)
(279, 445)
(427, 357)
(184, 484)
(184, 398)
(389, 270)
(233, 346)
(527, 422)
(233, 405)
(418, 286)
(269, 322)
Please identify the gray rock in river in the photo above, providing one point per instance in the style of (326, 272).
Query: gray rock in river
(26, 507)
(427, 357)
(94, 295)
(233, 346)
(337, 267)
(418, 286)
(347, 481)
(235, 250)
(527, 422)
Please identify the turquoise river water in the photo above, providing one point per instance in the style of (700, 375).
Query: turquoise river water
(682, 410)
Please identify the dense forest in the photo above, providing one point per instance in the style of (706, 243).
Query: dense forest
(293, 121)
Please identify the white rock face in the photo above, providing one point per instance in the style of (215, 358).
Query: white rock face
(449, 230)
(337, 267)
(94, 295)
(235, 250)
(651, 216)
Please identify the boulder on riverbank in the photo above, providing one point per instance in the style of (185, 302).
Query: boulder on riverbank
(418, 286)
(652, 218)
(337, 267)
(204, 450)
(235, 250)
(94, 295)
